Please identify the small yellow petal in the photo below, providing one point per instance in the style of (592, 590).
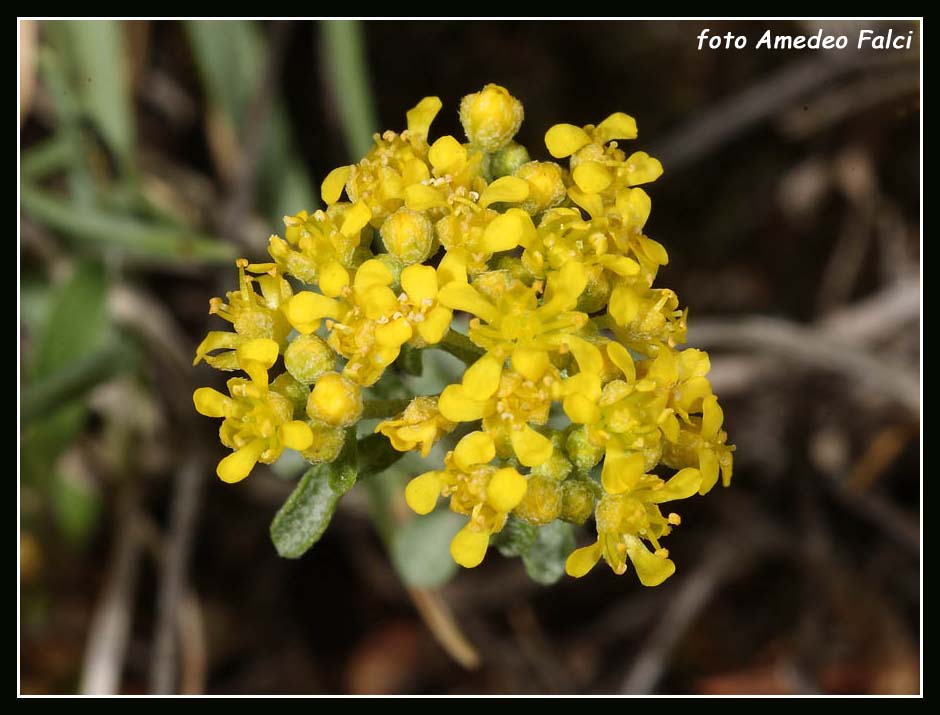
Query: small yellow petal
(506, 489)
(260, 350)
(682, 485)
(216, 340)
(378, 302)
(509, 189)
(530, 447)
(468, 547)
(306, 309)
(474, 448)
(333, 278)
(420, 197)
(421, 115)
(617, 126)
(712, 417)
(481, 379)
(239, 464)
(581, 410)
(356, 219)
(531, 363)
(296, 435)
(372, 273)
(650, 568)
(669, 424)
(654, 251)
(565, 139)
(456, 406)
(621, 265)
(211, 403)
(462, 296)
(592, 203)
(588, 356)
(621, 471)
(708, 465)
(332, 187)
(621, 357)
(564, 288)
(453, 267)
(423, 491)
(582, 560)
(414, 171)
(634, 206)
(419, 282)
(503, 233)
(394, 333)
(447, 156)
(624, 305)
(591, 177)
(642, 168)
(587, 384)
(435, 325)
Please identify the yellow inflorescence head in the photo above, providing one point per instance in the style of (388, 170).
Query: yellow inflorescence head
(575, 388)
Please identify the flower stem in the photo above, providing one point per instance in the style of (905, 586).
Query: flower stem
(461, 347)
(380, 409)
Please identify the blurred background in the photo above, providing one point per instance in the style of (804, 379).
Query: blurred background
(154, 153)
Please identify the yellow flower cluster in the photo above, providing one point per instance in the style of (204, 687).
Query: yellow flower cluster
(575, 388)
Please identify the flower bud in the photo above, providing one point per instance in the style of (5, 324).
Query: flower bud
(542, 502)
(408, 235)
(491, 117)
(335, 400)
(307, 358)
(546, 186)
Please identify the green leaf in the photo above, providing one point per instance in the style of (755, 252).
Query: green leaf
(123, 234)
(77, 324)
(420, 548)
(376, 454)
(303, 518)
(545, 559)
(69, 124)
(94, 52)
(516, 538)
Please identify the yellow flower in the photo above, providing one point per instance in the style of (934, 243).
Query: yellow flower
(491, 117)
(546, 186)
(483, 492)
(368, 323)
(420, 425)
(335, 400)
(508, 413)
(252, 315)
(408, 235)
(700, 442)
(318, 243)
(627, 519)
(573, 369)
(645, 317)
(258, 422)
(377, 183)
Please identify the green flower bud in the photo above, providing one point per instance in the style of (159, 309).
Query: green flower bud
(308, 357)
(577, 501)
(408, 235)
(542, 502)
(581, 451)
(507, 160)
